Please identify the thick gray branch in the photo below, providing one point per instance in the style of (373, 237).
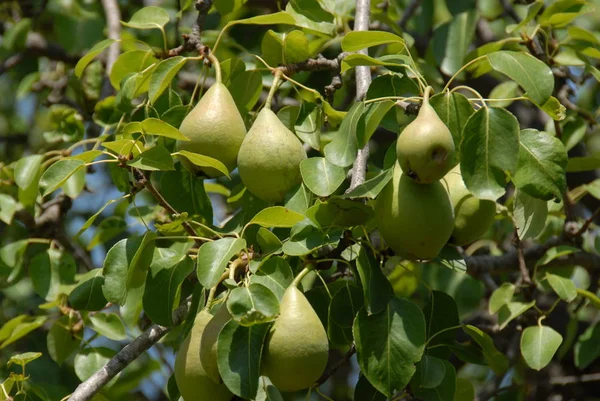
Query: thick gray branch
(363, 80)
(86, 390)
(113, 25)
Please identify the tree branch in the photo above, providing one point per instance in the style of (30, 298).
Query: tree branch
(86, 390)
(408, 13)
(363, 80)
(113, 25)
(193, 41)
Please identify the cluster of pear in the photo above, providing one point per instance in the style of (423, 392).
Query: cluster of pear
(426, 204)
(294, 356)
(267, 157)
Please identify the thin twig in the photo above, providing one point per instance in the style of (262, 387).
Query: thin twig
(521, 258)
(336, 366)
(363, 80)
(588, 223)
(193, 41)
(408, 13)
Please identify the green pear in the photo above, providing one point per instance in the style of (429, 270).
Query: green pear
(416, 220)
(425, 148)
(472, 216)
(297, 348)
(192, 380)
(208, 346)
(215, 129)
(269, 158)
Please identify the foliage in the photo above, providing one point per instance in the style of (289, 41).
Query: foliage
(104, 233)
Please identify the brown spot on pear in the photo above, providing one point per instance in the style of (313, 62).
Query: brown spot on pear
(425, 147)
(269, 158)
(215, 129)
(472, 216)
(297, 348)
(416, 220)
(192, 380)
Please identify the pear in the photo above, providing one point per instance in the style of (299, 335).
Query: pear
(192, 380)
(472, 216)
(425, 148)
(416, 220)
(269, 158)
(297, 348)
(208, 345)
(215, 129)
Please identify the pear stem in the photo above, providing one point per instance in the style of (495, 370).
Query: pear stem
(301, 275)
(276, 80)
(214, 61)
(428, 90)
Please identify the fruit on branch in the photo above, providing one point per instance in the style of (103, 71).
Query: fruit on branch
(191, 377)
(297, 348)
(425, 147)
(269, 158)
(472, 216)
(208, 344)
(215, 129)
(416, 220)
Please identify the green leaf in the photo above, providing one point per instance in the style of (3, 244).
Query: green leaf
(532, 10)
(254, 304)
(430, 372)
(163, 285)
(163, 75)
(593, 298)
(563, 286)
(285, 48)
(204, 161)
(108, 325)
(93, 218)
(371, 187)
(530, 215)
(213, 258)
(358, 40)
(185, 192)
(464, 390)
(542, 163)
(230, 68)
(275, 274)
(24, 358)
(587, 347)
(441, 313)
(268, 242)
(281, 17)
(297, 9)
(48, 270)
(511, 311)
(300, 200)
(372, 116)
(339, 212)
(157, 158)
(154, 126)
(497, 361)
(538, 345)
(129, 66)
(342, 149)
(578, 164)
(267, 391)
(58, 173)
(26, 170)
(88, 294)
(388, 344)
(15, 38)
(398, 62)
(365, 391)
(276, 216)
(451, 41)
(148, 18)
(308, 124)
(91, 360)
(321, 176)
(125, 266)
(377, 290)
(19, 327)
(61, 342)
(239, 350)
(75, 184)
(490, 146)
(534, 76)
(504, 90)
(8, 207)
(554, 109)
(343, 308)
(107, 230)
(562, 12)
(245, 89)
(444, 391)
(500, 297)
(90, 55)
(454, 109)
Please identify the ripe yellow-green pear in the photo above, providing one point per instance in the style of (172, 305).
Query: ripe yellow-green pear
(208, 346)
(215, 129)
(269, 158)
(416, 220)
(297, 348)
(425, 147)
(192, 380)
(472, 216)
